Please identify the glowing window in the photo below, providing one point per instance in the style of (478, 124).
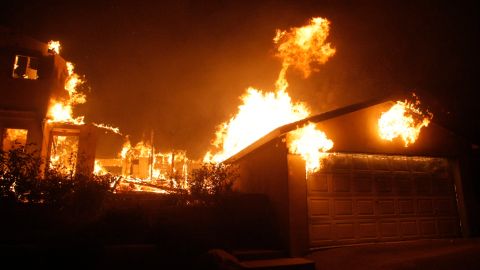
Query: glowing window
(63, 153)
(14, 138)
(25, 67)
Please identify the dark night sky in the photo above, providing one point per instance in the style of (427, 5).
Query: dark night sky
(179, 67)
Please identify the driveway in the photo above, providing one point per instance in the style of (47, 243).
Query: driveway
(421, 254)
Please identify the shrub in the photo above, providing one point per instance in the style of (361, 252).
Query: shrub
(212, 180)
(19, 174)
(21, 180)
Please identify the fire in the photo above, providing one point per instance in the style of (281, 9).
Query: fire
(261, 112)
(54, 46)
(143, 167)
(404, 120)
(311, 143)
(115, 130)
(99, 169)
(62, 111)
(301, 47)
(64, 152)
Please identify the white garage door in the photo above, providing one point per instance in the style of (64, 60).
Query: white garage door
(374, 198)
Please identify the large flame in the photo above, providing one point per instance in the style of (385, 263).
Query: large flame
(301, 47)
(261, 112)
(311, 143)
(62, 110)
(403, 120)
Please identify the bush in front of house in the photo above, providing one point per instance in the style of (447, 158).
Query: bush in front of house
(21, 181)
(212, 181)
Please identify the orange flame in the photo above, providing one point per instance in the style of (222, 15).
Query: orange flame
(115, 130)
(259, 114)
(311, 143)
(62, 111)
(404, 120)
(54, 46)
(99, 169)
(301, 47)
(262, 112)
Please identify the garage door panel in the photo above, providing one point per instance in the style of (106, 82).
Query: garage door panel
(403, 184)
(341, 182)
(345, 231)
(388, 229)
(383, 184)
(425, 206)
(423, 184)
(409, 228)
(386, 207)
(343, 207)
(363, 183)
(319, 207)
(428, 227)
(406, 206)
(318, 183)
(367, 230)
(365, 207)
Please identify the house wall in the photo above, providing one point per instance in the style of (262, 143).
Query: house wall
(265, 172)
(24, 102)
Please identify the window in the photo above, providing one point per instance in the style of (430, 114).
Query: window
(14, 138)
(25, 67)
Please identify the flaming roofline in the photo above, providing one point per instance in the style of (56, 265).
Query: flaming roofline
(391, 97)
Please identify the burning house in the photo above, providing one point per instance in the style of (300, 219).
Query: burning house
(37, 92)
(366, 189)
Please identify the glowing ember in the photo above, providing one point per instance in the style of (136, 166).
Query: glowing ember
(404, 120)
(54, 46)
(262, 112)
(311, 143)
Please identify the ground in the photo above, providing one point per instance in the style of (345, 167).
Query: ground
(423, 254)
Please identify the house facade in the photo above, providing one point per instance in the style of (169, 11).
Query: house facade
(30, 77)
(368, 189)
